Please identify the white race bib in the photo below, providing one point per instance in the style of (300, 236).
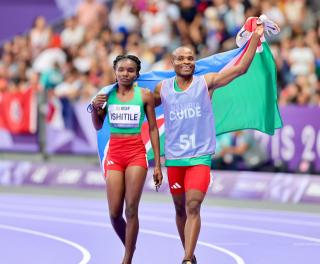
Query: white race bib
(124, 116)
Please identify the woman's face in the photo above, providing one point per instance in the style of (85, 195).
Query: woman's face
(126, 72)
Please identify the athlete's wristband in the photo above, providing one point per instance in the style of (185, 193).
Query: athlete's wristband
(90, 108)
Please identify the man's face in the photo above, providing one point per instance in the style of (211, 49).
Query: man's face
(183, 61)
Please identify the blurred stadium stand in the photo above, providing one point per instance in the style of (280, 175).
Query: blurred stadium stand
(55, 55)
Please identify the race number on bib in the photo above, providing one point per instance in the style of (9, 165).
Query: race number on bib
(124, 116)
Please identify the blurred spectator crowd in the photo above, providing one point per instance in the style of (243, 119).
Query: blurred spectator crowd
(74, 60)
(71, 61)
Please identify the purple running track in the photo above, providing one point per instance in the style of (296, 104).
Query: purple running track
(43, 229)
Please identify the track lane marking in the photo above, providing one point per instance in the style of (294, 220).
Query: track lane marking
(231, 254)
(86, 256)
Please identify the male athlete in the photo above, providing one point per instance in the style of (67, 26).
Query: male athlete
(190, 134)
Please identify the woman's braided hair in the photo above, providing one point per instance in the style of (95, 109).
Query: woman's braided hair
(130, 57)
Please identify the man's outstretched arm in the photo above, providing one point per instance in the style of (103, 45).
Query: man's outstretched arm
(216, 80)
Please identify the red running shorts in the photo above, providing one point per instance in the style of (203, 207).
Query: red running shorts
(184, 178)
(124, 152)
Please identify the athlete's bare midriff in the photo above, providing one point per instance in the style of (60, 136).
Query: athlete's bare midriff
(124, 135)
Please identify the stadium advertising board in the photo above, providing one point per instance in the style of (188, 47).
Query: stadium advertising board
(298, 140)
(278, 187)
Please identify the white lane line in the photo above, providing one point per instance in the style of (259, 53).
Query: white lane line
(246, 210)
(266, 211)
(235, 257)
(239, 228)
(87, 213)
(306, 245)
(85, 253)
(264, 231)
(261, 219)
(241, 217)
(219, 209)
(91, 212)
(217, 225)
(37, 208)
(243, 213)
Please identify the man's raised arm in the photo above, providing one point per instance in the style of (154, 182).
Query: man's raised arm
(216, 80)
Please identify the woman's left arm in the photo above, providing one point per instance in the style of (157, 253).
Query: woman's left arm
(154, 134)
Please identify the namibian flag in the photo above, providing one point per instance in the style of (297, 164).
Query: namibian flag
(248, 102)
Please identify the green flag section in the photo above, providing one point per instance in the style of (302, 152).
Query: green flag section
(249, 101)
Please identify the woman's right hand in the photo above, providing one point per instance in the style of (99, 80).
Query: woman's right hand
(99, 101)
